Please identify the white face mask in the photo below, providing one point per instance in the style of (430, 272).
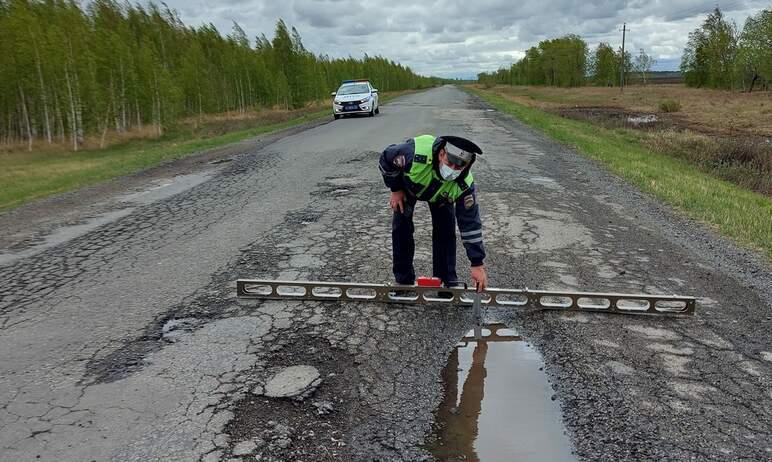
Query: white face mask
(447, 173)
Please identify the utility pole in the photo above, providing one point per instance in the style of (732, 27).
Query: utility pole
(622, 65)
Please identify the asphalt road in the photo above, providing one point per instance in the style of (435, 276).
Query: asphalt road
(122, 339)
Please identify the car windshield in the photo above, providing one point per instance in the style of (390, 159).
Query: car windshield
(353, 89)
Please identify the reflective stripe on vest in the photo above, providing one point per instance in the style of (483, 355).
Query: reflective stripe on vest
(423, 175)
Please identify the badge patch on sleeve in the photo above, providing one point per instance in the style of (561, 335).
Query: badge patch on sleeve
(399, 161)
(469, 201)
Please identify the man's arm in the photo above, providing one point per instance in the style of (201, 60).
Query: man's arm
(394, 160)
(470, 227)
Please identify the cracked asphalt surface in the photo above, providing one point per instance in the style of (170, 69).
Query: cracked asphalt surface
(126, 342)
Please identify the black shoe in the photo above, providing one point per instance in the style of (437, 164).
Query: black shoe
(400, 293)
(451, 285)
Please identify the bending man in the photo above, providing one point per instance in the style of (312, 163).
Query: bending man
(435, 170)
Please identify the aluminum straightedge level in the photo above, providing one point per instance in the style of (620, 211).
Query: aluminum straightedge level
(662, 305)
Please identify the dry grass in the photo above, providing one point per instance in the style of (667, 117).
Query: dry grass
(208, 125)
(708, 111)
(201, 127)
(671, 176)
(90, 143)
(727, 134)
(743, 161)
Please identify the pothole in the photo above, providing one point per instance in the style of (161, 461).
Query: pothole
(497, 403)
(303, 217)
(279, 427)
(339, 186)
(344, 181)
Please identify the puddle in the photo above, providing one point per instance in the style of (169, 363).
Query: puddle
(643, 119)
(497, 404)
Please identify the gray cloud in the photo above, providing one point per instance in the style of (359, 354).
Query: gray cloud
(461, 38)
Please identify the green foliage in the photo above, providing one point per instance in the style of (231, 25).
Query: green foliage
(754, 57)
(669, 105)
(558, 62)
(710, 54)
(604, 66)
(67, 72)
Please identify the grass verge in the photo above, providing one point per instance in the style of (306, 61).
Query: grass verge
(26, 176)
(743, 215)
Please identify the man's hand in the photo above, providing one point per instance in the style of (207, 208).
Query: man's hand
(397, 201)
(480, 278)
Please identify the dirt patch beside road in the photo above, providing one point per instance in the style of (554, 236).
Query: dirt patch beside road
(618, 118)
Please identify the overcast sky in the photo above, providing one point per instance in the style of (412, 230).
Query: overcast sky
(459, 38)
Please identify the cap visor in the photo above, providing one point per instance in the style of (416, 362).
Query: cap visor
(455, 160)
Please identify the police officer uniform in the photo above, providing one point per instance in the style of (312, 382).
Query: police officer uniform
(413, 167)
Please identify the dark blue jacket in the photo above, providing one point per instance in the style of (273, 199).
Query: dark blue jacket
(397, 159)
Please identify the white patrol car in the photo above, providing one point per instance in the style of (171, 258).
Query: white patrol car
(355, 97)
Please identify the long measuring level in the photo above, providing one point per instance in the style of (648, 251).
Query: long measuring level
(597, 302)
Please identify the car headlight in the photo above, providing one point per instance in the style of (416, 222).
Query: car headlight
(337, 102)
(364, 100)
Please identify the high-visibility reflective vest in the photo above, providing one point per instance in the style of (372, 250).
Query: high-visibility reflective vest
(426, 184)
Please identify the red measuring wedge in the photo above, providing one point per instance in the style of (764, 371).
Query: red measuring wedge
(426, 281)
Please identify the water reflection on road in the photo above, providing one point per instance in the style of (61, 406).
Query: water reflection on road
(497, 404)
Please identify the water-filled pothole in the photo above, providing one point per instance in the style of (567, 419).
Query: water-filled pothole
(498, 405)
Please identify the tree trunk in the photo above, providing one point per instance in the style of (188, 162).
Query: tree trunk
(104, 130)
(59, 118)
(73, 118)
(25, 116)
(139, 115)
(43, 96)
(123, 98)
(755, 76)
(200, 109)
(242, 98)
(157, 105)
(9, 132)
(75, 99)
(114, 104)
(78, 110)
(250, 93)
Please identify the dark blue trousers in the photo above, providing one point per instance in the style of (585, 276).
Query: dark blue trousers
(443, 243)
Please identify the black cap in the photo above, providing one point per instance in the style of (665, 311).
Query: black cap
(462, 144)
